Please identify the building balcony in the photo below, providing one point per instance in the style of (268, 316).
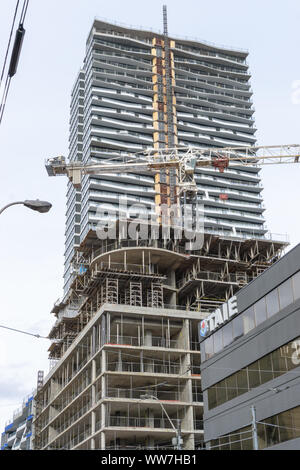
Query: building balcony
(157, 342)
(136, 422)
(151, 367)
(132, 394)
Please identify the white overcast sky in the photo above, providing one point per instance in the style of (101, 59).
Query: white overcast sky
(35, 126)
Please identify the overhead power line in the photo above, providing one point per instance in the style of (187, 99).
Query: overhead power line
(9, 41)
(15, 55)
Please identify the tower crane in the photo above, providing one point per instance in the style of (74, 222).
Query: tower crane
(183, 159)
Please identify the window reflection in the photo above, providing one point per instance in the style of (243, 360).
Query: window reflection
(238, 328)
(296, 285)
(260, 311)
(272, 301)
(227, 334)
(248, 320)
(218, 343)
(273, 430)
(264, 308)
(267, 368)
(285, 293)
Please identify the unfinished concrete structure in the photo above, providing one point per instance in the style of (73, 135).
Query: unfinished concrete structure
(129, 328)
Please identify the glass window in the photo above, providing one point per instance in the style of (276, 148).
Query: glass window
(227, 334)
(296, 285)
(212, 397)
(253, 374)
(235, 441)
(265, 366)
(209, 350)
(231, 386)
(260, 311)
(279, 362)
(214, 444)
(285, 293)
(247, 443)
(296, 421)
(272, 303)
(224, 443)
(242, 381)
(248, 320)
(218, 343)
(238, 329)
(221, 392)
(272, 432)
(286, 430)
(261, 434)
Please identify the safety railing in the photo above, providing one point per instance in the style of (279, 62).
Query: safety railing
(136, 394)
(135, 422)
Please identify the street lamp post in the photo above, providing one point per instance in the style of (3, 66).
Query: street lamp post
(177, 430)
(35, 205)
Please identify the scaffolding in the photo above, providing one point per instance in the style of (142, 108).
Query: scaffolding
(156, 274)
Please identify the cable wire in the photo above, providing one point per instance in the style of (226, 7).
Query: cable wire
(15, 54)
(24, 11)
(9, 42)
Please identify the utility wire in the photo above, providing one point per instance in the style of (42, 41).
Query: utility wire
(15, 54)
(24, 11)
(9, 41)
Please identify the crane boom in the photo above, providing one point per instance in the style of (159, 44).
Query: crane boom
(185, 159)
(180, 160)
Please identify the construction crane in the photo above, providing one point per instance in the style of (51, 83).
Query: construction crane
(183, 159)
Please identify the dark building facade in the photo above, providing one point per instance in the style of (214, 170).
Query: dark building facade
(253, 359)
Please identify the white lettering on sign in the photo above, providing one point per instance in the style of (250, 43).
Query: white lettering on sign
(296, 353)
(222, 314)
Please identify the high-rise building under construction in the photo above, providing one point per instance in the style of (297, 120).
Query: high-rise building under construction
(125, 341)
(120, 104)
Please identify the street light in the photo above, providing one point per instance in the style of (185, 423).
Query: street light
(177, 430)
(37, 205)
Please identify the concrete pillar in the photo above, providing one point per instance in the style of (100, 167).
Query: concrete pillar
(171, 281)
(102, 440)
(148, 338)
(53, 412)
(93, 422)
(93, 370)
(52, 433)
(103, 377)
(103, 415)
(92, 444)
(149, 415)
(54, 388)
(149, 442)
(189, 442)
(103, 386)
(103, 361)
(93, 380)
(183, 340)
(119, 364)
